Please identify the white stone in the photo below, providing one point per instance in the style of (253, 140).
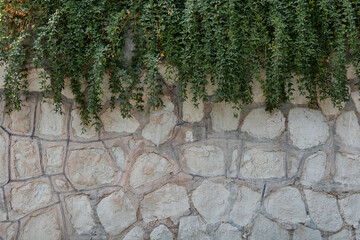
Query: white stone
(2, 207)
(262, 124)
(89, 167)
(42, 227)
(314, 169)
(80, 212)
(304, 233)
(51, 123)
(265, 229)
(227, 232)
(54, 160)
(77, 127)
(161, 233)
(327, 107)
(25, 157)
(223, 117)
(34, 79)
(168, 201)
(307, 128)
(190, 112)
(347, 168)
(160, 126)
(30, 196)
(258, 93)
(348, 129)
(323, 211)
(8, 230)
(114, 122)
(233, 169)
(192, 228)
(119, 157)
(260, 163)
(350, 206)
(342, 235)
(148, 168)
(137, 233)
(286, 205)
(356, 99)
(297, 97)
(116, 213)
(206, 160)
(21, 120)
(4, 171)
(245, 206)
(211, 200)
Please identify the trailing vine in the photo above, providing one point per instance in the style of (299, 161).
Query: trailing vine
(219, 42)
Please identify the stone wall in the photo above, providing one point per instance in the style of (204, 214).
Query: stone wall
(182, 172)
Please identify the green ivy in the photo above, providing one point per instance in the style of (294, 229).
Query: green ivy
(219, 42)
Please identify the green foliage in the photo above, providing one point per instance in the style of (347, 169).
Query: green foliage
(225, 42)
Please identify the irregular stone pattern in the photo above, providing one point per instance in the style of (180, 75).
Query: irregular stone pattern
(181, 172)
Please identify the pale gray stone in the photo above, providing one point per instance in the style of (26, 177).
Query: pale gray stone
(25, 158)
(78, 127)
(263, 124)
(3, 210)
(51, 123)
(327, 107)
(233, 169)
(307, 127)
(80, 212)
(89, 167)
(4, 171)
(227, 232)
(324, 211)
(262, 163)
(54, 160)
(8, 230)
(314, 169)
(342, 235)
(190, 112)
(350, 206)
(286, 205)
(119, 157)
(114, 122)
(148, 168)
(160, 126)
(41, 227)
(211, 201)
(223, 117)
(297, 97)
(265, 229)
(168, 201)
(161, 233)
(206, 160)
(348, 129)
(258, 93)
(20, 121)
(304, 233)
(347, 168)
(114, 207)
(137, 233)
(192, 228)
(245, 206)
(355, 96)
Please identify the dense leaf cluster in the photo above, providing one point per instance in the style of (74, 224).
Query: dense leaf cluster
(225, 42)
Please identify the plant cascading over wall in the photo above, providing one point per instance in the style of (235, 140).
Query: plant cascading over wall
(225, 42)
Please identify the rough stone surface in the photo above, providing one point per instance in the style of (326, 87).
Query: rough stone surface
(8, 230)
(323, 211)
(342, 235)
(148, 168)
(77, 127)
(137, 233)
(89, 167)
(161, 233)
(265, 229)
(263, 124)
(355, 96)
(80, 213)
(211, 200)
(21, 120)
(205, 160)
(303, 233)
(119, 157)
(246, 203)
(347, 168)
(308, 128)
(190, 112)
(51, 123)
(228, 232)
(4, 171)
(116, 206)
(286, 205)
(160, 126)
(327, 107)
(42, 227)
(2, 207)
(350, 206)
(262, 163)
(348, 129)
(54, 160)
(168, 201)
(297, 97)
(314, 169)
(192, 228)
(223, 119)
(114, 122)
(351, 72)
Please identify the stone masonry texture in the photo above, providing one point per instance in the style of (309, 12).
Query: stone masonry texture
(211, 172)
